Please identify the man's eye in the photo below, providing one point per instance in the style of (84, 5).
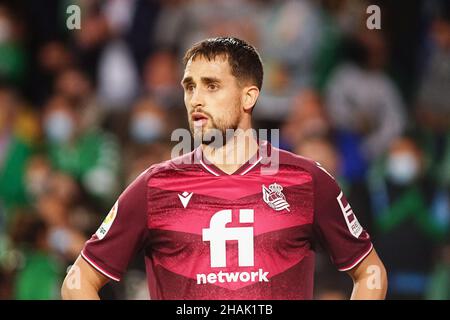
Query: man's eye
(190, 87)
(212, 87)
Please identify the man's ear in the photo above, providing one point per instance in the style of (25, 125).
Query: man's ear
(250, 95)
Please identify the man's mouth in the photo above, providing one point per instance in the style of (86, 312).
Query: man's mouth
(199, 119)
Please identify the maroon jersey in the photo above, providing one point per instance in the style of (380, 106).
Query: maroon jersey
(211, 235)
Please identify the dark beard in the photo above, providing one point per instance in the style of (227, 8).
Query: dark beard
(210, 140)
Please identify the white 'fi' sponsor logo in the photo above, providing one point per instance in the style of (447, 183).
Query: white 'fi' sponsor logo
(218, 235)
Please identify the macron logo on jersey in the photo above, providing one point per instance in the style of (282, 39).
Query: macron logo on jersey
(217, 235)
(185, 197)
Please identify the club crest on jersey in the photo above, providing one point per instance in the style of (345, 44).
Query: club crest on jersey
(274, 197)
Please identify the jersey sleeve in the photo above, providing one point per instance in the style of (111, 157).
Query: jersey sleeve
(335, 224)
(122, 234)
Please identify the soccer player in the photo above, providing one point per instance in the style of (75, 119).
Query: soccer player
(215, 229)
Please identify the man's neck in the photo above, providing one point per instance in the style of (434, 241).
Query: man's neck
(230, 157)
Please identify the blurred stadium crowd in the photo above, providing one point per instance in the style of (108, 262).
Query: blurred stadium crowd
(83, 112)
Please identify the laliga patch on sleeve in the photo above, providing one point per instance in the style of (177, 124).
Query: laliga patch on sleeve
(350, 218)
(107, 223)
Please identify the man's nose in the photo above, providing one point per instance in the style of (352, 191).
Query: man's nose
(197, 99)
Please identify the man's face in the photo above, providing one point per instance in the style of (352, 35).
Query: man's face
(212, 96)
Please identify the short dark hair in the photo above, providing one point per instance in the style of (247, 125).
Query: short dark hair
(244, 60)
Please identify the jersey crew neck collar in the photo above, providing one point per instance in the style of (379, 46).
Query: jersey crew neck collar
(249, 165)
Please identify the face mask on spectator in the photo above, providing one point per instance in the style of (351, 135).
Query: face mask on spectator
(146, 128)
(402, 168)
(59, 240)
(59, 127)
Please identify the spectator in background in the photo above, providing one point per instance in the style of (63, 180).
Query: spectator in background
(364, 105)
(321, 150)
(433, 95)
(290, 34)
(148, 122)
(15, 151)
(63, 239)
(306, 119)
(74, 85)
(433, 101)
(182, 23)
(433, 120)
(55, 197)
(118, 78)
(39, 275)
(439, 285)
(148, 133)
(41, 179)
(169, 24)
(89, 155)
(161, 79)
(38, 172)
(117, 73)
(12, 52)
(407, 228)
(89, 42)
(60, 203)
(52, 58)
(102, 41)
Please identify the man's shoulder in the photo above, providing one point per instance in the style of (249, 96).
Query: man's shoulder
(314, 168)
(303, 164)
(291, 159)
(174, 164)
